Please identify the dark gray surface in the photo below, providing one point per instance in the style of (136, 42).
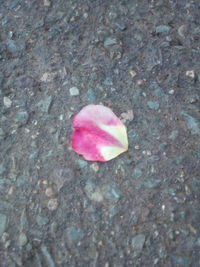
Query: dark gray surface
(140, 209)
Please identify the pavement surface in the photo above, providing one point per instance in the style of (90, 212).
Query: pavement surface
(140, 58)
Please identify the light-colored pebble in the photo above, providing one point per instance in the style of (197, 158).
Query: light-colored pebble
(52, 204)
(47, 3)
(133, 73)
(190, 73)
(95, 167)
(49, 192)
(7, 102)
(74, 91)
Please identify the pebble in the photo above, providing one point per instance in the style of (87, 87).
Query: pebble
(153, 105)
(113, 210)
(23, 220)
(173, 135)
(152, 183)
(47, 256)
(49, 192)
(137, 173)
(193, 124)
(22, 117)
(108, 81)
(22, 240)
(163, 29)
(110, 41)
(52, 204)
(47, 77)
(41, 220)
(3, 223)
(171, 92)
(133, 73)
(7, 102)
(74, 91)
(121, 25)
(127, 115)
(111, 192)
(82, 163)
(137, 242)
(15, 46)
(94, 167)
(181, 261)
(91, 98)
(93, 192)
(47, 3)
(74, 235)
(182, 31)
(44, 104)
(190, 74)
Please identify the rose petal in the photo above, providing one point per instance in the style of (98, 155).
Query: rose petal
(99, 135)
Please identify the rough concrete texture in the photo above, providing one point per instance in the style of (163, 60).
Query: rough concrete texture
(140, 58)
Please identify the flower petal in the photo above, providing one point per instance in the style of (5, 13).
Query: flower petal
(99, 135)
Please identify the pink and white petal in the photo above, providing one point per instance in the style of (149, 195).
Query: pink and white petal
(99, 135)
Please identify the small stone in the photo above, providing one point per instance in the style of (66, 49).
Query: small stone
(173, 135)
(190, 74)
(127, 116)
(193, 99)
(137, 242)
(47, 3)
(110, 42)
(52, 204)
(82, 163)
(23, 220)
(111, 192)
(7, 102)
(108, 81)
(44, 104)
(163, 29)
(153, 105)
(90, 95)
(47, 77)
(74, 91)
(193, 124)
(47, 255)
(74, 235)
(22, 240)
(3, 223)
(198, 242)
(14, 47)
(49, 192)
(140, 82)
(181, 261)
(171, 92)
(93, 192)
(137, 173)
(22, 117)
(113, 210)
(121, 25)
(95, 167)
(133, 73)
(41, 220)
(152, 183)
(182, 31)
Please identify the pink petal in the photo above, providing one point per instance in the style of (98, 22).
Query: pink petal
(99, 135)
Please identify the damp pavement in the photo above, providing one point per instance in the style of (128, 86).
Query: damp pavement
(141, 59)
